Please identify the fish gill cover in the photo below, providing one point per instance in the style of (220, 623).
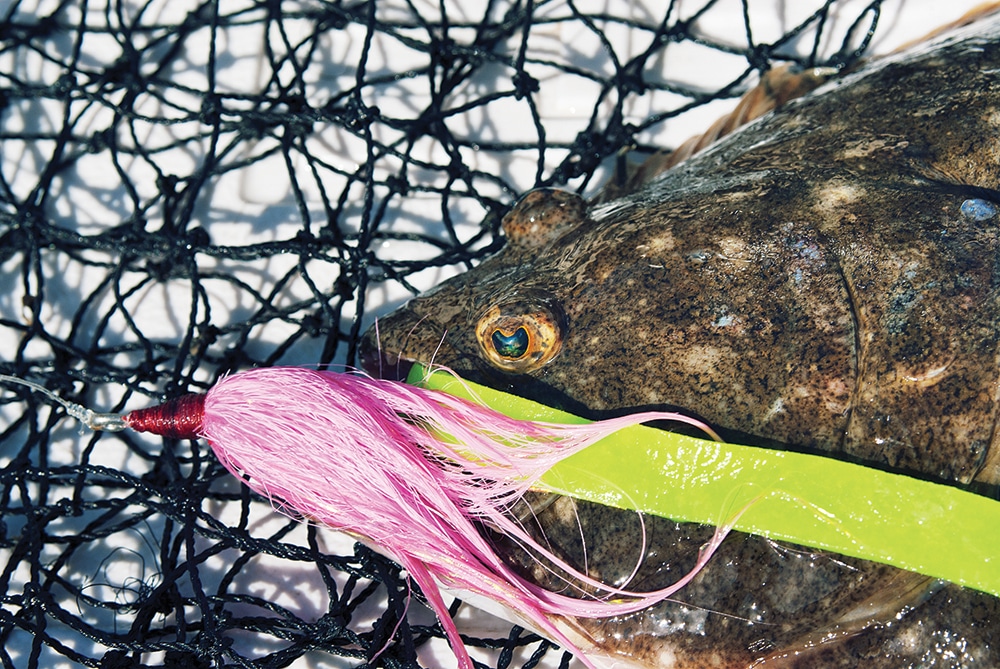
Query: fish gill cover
(189, 188)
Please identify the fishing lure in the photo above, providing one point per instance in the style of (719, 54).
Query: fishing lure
(408, 470)
(415, 469)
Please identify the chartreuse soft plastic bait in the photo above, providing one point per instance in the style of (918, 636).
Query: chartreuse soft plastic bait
(816, 501)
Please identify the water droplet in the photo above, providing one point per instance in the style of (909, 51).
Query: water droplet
(978, 210)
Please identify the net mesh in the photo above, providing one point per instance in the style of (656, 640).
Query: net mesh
(189, 188)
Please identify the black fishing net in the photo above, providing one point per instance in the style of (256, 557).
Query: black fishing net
(189, 188)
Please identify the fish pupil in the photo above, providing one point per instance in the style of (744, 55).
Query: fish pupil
(510, 345)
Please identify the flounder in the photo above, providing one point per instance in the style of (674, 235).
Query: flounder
(826, 280)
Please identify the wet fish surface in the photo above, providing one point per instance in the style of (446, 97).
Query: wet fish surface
(826, 280)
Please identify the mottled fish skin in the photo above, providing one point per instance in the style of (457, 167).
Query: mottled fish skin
(826, 279)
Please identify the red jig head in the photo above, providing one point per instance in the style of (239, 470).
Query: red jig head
(179, 418)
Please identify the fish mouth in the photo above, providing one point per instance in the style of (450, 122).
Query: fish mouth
(394, 344)
(378, 362)
(382, 366)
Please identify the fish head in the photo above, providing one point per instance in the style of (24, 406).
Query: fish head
(663, 299)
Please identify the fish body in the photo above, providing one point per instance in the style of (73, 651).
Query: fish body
(825, 279)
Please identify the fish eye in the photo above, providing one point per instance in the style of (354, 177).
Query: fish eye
(520, 336)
